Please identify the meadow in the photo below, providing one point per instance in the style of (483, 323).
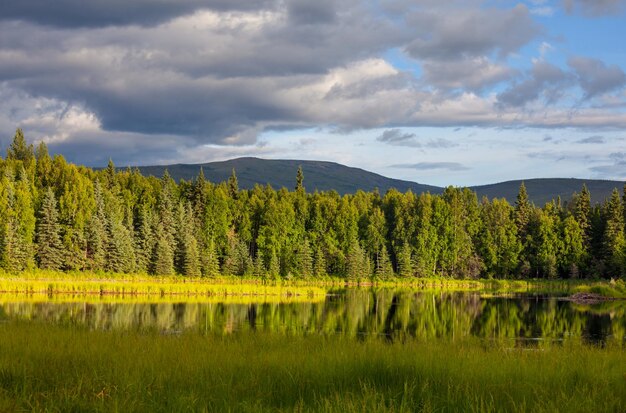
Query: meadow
(52, 368)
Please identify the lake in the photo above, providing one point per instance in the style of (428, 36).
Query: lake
(388, 314)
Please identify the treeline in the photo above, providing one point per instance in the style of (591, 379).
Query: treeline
(60, 216)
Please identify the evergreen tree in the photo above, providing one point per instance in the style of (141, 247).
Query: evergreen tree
(572, 252)
(25, 222)
(20, 150)
(43, 170)
(383, 269)
(522, 212)
(163, 256)
(96, 233)
(614, 242)
(233, 185)
(110, 175)
(165, 233)
(304, 265)
(405, 262)
(209, 260)
(582, 211)
(144, 238)
(49, 247)
(273, 268)
(300, 180)
(319, 267)
(499, 243)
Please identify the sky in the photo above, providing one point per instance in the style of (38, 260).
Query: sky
(438, 92)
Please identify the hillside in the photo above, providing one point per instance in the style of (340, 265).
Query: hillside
(318, 175)
(324, 176)
(543, 190)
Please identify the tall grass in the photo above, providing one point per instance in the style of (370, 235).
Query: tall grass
(51, 368)
(86, 283)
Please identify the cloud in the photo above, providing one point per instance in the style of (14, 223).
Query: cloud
(471, 33)
(594, 8)
(596, 77)
(615, 169)
(426, 166)
(398, 138)
(469, 73)
(136, 79)
(544, 80)
(596, 139)
(102, 13)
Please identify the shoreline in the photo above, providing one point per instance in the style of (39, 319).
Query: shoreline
(92, 284)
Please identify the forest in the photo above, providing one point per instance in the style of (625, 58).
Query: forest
(56, 215)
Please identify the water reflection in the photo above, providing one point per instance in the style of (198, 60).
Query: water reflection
(394, 315)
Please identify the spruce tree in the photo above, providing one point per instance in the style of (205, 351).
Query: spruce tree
(522, 211)
(273, 268)
(20, 150)
(209, 261)
(163, 256)
(304, 259)
(383, 269)
(300, 180)
(49, 247)
(614, 241)
(96, 233)
(582, 211)
(165, 234)
(319, 267)
(233, 185)
(405, 262)
(144, 238)
(25, 221)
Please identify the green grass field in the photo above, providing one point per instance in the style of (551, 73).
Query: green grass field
(64, 368)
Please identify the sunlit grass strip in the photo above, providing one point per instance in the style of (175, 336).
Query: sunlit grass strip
(147, 287)
(155, 299)
(87, 282)
(47, 368)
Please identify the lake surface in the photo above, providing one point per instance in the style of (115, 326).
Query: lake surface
(522, 320)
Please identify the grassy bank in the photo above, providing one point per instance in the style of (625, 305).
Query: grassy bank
(134, 285)
(43, 367)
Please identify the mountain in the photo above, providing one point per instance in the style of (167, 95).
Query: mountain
(325, 176)
(318, 175)
(543, 190)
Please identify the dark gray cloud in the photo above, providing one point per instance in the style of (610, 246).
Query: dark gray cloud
(426, 166)
(543, 81)
(101, 13)
(470, 33)
(312, 12)
(594, 7)
(596, 77)
(135, 77)
(596, 139)
(398, 138)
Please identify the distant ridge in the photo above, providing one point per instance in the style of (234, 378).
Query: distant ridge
(318, 175)
(326, 176)
(543, 190)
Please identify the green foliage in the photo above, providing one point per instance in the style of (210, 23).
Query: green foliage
(49, 247)
(19, 150)
(118, 220)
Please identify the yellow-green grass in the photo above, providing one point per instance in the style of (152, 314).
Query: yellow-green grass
(59, 369)
(612, 289)
(141, 285)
